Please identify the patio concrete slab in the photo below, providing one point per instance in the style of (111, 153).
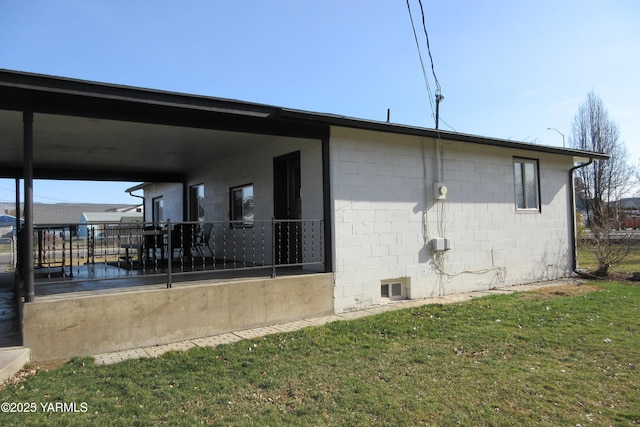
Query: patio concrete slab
(12, 359)
(213, 341)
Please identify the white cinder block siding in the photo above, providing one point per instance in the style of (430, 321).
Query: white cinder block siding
(172, 201)
(254, 166)
(385, 216)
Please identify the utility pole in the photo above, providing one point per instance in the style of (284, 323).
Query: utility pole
(439, 98)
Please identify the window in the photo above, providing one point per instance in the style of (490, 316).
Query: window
(157, 208)
(196, 202)
(393, 289)
(527, 185)
(242, 205)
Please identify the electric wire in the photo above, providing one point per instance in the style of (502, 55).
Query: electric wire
(449, 126)
(424, 71)
(433, 70)
(439, 258)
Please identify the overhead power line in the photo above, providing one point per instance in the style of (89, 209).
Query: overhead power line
(438, 94)
(424, 72)
(426, 35)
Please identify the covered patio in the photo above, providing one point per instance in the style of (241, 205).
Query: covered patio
(64, 129)
(56, 128)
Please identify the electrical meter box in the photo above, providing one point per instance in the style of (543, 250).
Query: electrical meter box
(439, 191)
(441, 244)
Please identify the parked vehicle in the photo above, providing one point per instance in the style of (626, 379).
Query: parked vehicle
(631, 222)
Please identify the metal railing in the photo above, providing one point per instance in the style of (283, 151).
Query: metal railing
(102, 251)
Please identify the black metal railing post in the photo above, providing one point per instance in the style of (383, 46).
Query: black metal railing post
(169, 256)
(70, 252)
(273, 247)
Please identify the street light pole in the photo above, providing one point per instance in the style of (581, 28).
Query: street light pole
(563, 146)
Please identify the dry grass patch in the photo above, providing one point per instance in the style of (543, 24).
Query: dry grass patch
(566, 290)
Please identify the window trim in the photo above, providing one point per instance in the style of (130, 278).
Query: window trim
(195, 204)
(388, 285)
(239, 223)
(536, 166)
(154, 210)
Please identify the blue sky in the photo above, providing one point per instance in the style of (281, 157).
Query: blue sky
(506, 69)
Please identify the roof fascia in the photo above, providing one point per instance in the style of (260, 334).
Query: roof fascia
(39, 83)
(55, 95)
(351, 122)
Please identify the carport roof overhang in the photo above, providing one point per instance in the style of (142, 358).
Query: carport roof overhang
(96, 131)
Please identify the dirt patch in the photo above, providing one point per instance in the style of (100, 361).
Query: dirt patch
(569, 290)
(628, 278)
(562, 291)
(30, 370)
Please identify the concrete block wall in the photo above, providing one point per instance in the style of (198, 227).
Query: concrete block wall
(255, 167)
(385, 216)
(171, 194)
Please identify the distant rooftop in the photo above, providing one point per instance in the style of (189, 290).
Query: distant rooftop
(70, 213)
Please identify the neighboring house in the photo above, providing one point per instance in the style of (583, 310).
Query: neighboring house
(630, 204)
(7, 226)
(96, 223)
(70, 213)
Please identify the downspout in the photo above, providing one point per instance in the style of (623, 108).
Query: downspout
(144, 205)
(572, 235)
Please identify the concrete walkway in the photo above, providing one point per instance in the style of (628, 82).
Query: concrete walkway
(155, 351)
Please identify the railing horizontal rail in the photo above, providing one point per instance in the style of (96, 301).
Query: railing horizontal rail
(104, 250)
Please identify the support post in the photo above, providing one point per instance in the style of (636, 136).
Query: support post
(169, 256)
(27, 231)
(17, 245)
(327, 205)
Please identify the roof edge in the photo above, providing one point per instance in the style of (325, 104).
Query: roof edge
(352, 122)
(65, 85)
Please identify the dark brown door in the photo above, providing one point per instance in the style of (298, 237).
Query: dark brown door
(287, 207)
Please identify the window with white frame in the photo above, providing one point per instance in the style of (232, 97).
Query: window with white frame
(527, 184)
(393, 289)
(242, 205)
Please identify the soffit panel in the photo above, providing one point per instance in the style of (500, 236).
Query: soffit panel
(63, 142)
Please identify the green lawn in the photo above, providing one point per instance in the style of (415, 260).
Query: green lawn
(628, 265)
(568, 356)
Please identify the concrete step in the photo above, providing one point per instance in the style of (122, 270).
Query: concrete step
(12, 359)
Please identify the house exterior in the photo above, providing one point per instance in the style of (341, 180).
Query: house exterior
(369, 211)
(388, 213)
